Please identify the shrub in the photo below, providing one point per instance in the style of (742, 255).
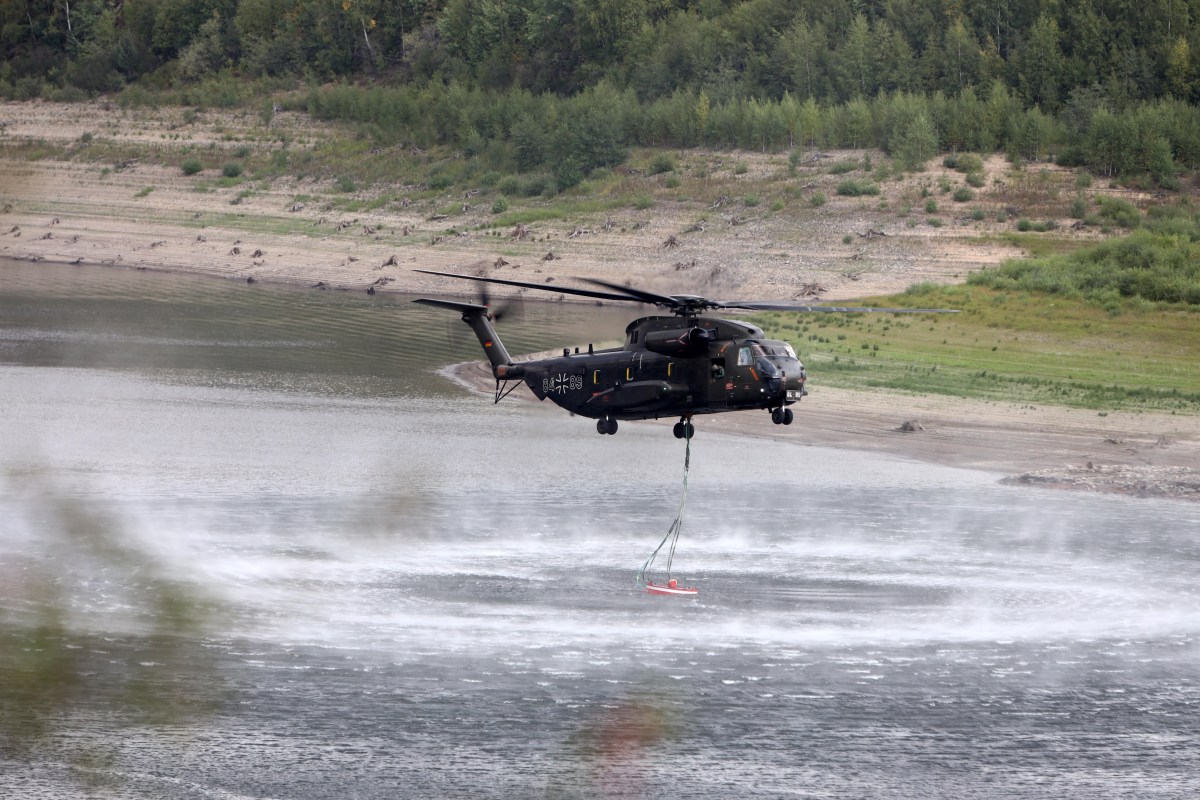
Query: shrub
(817, 200)
(1078, 208)
(976, 179)
(963, 195)
(509, 185)
(931, 206)
(857, 188)
(977, 214)
(1120, 212)
(534, 185)
(500, 206)
(751, 200)
(964, 162)
(1024, 225)
(842, 167)
(231, 170)
(191, 166)
(662, 163)
(642, 203)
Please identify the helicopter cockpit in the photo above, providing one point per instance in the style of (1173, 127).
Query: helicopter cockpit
(769, 357)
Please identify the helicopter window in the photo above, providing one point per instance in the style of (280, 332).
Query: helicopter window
(745, 359)
(718, 368)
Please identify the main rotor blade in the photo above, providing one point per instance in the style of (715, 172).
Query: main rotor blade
(542, 287)
(768, 305)
(635, 294)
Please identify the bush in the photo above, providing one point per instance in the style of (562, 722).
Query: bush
(931, 206)
(1078, 208)
(963, 195)
(857, 188)
(345, 184)
(1147, 264)
(533, 185)
(231, 170)
(976, 179)
(500, 206)
(1120, 212)
(1024, 225)
(817, 200)
(662, 163)
(963, 162)
(842, 167)
(509, 185)
(191, 166)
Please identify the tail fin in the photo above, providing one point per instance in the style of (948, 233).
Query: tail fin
(477, 317)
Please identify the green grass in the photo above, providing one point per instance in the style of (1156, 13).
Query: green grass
(1028, 348)
(560, 209)
(1034, 244)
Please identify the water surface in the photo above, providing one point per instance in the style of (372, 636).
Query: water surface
(404, 591)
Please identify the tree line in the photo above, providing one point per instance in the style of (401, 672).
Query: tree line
(1104, 83)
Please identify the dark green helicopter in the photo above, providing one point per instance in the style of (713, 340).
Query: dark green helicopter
(669, 366)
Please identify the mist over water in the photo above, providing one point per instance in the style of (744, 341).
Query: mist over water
(410, 592)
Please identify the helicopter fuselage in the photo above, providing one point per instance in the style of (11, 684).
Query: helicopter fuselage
(668, 367)
(679, 365)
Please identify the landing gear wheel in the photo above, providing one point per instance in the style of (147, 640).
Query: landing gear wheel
(678, 430)
(788, 416)
(606, 426)
(777, 416)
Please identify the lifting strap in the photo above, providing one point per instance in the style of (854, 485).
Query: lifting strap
(643, 575)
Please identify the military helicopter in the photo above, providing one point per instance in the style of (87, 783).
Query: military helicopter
(680, 365)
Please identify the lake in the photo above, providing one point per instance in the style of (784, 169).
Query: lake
(274, 551)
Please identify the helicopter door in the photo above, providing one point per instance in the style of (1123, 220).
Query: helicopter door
(718, 376)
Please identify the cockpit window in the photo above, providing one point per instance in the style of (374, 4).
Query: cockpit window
(781, 349)
(745, 359)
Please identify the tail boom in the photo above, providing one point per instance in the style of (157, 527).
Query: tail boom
(480, 321)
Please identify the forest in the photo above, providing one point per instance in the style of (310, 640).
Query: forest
(569, 85)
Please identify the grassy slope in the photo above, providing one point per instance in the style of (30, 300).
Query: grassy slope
(1023, 348)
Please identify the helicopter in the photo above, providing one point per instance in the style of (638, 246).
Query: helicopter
(670, 366)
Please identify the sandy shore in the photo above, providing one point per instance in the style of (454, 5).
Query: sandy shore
(151, 216)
